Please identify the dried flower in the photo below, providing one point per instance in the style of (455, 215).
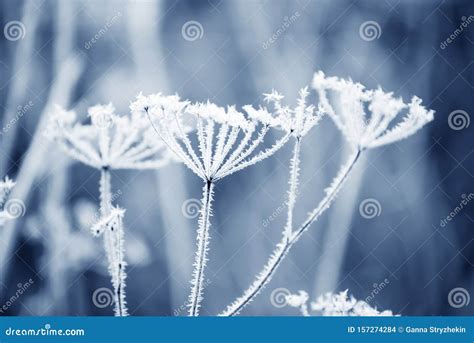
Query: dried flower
(334, 305)
(227, 141)
(298, 120)
(375, 127)
(109, 141)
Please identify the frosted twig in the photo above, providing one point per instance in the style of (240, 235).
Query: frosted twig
(201, 259)
(362, 131)
(109, 142)
(111, 226)
(286, 243)
(217, 130)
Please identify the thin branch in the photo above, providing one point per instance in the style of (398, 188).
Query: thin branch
(292, 193)
(286, 243)
(203, 238)
(113, 243)
(257, 158)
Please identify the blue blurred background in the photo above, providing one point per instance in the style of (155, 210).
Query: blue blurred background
(79, 53)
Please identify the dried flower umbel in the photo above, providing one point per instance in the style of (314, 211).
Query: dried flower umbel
(363, 130)
(227, 141)
(334, 305)
(109, 142)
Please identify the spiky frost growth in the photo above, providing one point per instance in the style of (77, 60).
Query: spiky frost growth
(375, 127)
(298, 121)
(108, 141)
(227, 141)
(6, 187)
(334, 305)
(362, 131)
(299, 300)
(111, 226)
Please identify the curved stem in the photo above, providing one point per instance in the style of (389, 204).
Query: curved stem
(113, 243)
(203, 237)
(286, 243)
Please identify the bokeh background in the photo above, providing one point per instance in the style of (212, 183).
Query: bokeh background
(79, 53)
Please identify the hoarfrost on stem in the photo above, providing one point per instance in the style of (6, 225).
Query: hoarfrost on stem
(227, 141)
(109, 142)
(363, 130)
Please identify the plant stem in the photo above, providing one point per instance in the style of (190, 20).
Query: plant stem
(113, 243)
(286, 243)
(292, 193)
(203, 238)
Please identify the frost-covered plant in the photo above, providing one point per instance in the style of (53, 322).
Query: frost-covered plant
(331, 304)
(365, 118)
(6, 187)
(227, 141)
(109, 142)
(369, 129)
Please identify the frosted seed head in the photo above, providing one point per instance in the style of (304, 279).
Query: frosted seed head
(341, 304)
(102, 116)
(364, 116)
(297, 300)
